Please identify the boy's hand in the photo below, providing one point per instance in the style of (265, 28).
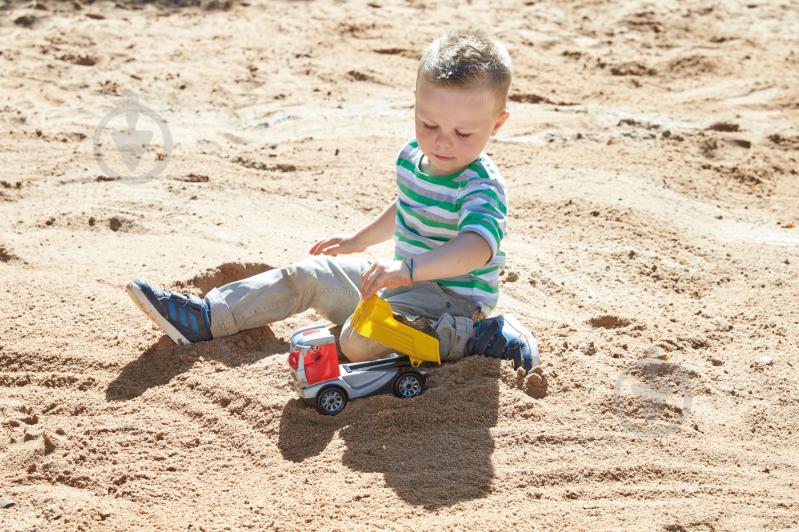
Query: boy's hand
(384, 274)
(337, 245)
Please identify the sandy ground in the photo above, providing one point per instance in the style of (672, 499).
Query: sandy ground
(651, 160)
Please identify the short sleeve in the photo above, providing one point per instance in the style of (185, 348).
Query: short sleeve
(407, 152)
(484, 210)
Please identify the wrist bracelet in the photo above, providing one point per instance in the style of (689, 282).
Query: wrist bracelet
(409, 264)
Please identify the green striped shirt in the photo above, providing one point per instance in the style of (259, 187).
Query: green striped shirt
(432, 210)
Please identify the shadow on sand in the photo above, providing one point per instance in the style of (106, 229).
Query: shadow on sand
(433, 451)
(163, 360)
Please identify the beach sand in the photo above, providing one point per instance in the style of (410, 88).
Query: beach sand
(651, 163)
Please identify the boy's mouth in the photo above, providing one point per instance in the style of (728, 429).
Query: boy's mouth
(442, 158)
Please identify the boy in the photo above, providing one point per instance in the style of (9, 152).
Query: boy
(447, 221)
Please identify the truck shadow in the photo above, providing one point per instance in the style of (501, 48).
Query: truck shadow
(433, 451)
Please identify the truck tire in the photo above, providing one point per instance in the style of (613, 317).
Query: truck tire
(408, 384)
(331, 400)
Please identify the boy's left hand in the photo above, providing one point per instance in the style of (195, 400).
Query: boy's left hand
(384, 274)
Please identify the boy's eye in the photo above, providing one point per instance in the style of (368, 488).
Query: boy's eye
(462, 135)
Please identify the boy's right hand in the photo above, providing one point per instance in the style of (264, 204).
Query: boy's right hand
(338, 245)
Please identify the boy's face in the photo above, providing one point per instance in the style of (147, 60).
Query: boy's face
(453, 124)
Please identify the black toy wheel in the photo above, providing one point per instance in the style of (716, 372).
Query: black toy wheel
(408, 384)
(331, 400)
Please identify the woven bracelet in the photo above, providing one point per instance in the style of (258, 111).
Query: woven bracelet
(409, 264)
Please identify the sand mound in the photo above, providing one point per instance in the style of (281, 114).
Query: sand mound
(221, 275)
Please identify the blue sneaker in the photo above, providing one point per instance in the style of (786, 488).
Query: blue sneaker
(183, 317)
(504, 337)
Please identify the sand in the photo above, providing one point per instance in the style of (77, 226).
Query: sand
(651, 161)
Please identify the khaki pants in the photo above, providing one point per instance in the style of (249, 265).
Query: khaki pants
(329, 285)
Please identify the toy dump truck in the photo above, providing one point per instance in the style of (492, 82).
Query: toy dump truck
(328, 385)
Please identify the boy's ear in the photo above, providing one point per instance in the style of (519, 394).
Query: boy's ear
(500, 122)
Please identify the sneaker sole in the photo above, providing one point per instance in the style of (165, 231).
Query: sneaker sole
(151, 312)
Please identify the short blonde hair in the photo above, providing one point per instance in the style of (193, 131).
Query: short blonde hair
(465, 58)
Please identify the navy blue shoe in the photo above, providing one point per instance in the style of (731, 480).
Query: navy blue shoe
(183, 317)
(504, 337)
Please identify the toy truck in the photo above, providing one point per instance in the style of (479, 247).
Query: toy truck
(321, 381)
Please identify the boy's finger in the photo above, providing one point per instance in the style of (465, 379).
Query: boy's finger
(364, 292)
(324, 247)
(377, 283)
(315, 250)
(368, 284)
(366, 273)
(362, 284)
(366, 287)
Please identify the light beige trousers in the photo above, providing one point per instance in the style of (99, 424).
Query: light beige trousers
(329, 285)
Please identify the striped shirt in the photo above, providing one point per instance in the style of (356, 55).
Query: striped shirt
(433, 210)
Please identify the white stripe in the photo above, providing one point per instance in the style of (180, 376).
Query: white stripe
(451, 217)
(408, 250)
(415, 236)
(423, 229)
(424, 210)
(482, 185)
(410, 180)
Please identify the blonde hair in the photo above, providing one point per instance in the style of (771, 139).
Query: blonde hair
(465, 58)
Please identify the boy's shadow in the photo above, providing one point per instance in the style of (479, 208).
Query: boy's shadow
(433, 450)
(163, 360)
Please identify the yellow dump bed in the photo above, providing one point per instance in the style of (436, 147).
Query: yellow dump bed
(375, 319)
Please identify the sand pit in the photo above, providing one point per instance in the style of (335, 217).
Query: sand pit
(651, 161)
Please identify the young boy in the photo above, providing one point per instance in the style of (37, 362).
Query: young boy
(447, 222)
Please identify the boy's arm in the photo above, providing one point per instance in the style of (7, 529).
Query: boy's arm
(481, 226)
(381, 228)
(378, 230)
(463, 254)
